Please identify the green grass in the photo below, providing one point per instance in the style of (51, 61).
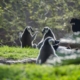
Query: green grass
(17, 52)
(39, 72)
(33, 71)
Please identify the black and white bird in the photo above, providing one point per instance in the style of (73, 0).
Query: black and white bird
(46, 50)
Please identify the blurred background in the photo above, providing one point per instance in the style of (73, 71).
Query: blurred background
(15, 15)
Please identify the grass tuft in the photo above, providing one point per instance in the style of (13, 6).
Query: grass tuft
(17, 52)
(33, 71)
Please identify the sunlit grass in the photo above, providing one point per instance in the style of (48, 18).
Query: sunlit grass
(39, 72)
(17, 52)
(33, 71)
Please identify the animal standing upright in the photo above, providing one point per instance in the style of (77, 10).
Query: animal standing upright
(47, 32)
(46, 50)
(27, 38)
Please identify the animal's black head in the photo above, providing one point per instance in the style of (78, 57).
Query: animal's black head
(75, 20)
(45, 30)
(29, 28)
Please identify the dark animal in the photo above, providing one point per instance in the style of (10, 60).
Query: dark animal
(47, 32)
(46, 50)
(75, 24)
(27, 38)
(56, 44)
